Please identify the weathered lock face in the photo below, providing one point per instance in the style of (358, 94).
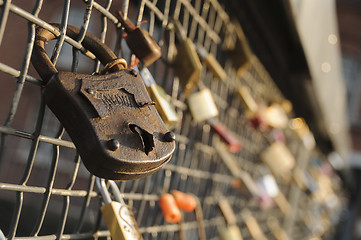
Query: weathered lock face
(112, 122)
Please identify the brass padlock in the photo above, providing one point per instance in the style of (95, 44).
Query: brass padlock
(140, 42)
(212, 63)
(279, 159)
(118, 217)
(161, 98)
(110, 118)
(241, 53)
(187, 65)
(202, 106)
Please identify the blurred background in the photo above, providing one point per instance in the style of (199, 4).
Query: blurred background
(286, 88)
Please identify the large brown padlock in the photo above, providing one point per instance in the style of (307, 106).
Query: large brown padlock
(140, 42)
(110, 118)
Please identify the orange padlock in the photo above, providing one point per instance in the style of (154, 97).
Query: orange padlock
(184, 201)
(169, 208)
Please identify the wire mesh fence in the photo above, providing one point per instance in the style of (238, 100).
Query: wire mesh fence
(46, 192)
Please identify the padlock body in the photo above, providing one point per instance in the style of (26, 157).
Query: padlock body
(187, 65)
(143, 45)
(100, 114)
(279, 159)
(163, 105)
(202, 105)
(120, 222)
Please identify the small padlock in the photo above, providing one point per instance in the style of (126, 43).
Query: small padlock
(161, 98)
(140, 42)
(232, 231)
(202, 106)
(170, 210)
(212, 63)
(110, 118)
(187, 65)
(232, 142)
(241, 53)
(118, 217)
(279, 159)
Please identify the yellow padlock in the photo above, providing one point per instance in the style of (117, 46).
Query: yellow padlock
(212, 63)
(161, 98)
(118, 217)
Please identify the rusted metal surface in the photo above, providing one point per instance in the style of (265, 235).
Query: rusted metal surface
(110, 118)
(140, 42)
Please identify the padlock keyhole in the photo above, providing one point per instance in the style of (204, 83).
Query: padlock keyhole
(146, 138)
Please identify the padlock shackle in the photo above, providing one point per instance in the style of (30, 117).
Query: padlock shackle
(46, 68)
(105, 193)
(126, 23)
(103, 190)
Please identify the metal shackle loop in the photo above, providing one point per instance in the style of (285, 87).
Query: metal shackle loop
(105, 193)
(46, 68)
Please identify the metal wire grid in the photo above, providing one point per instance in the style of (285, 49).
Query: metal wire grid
(195, 167)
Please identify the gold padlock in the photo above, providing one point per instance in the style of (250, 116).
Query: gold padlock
(161, 98)
(187, 65)
(212, 63)
(241, 53)
(279, 159)
(202, 106)
(118, 217)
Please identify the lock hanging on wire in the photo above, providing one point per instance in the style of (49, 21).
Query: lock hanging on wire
(118, 217)
(140, 42)
(163, 104)
(109, 117)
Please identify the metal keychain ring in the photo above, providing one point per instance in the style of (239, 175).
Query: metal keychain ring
(46, 68)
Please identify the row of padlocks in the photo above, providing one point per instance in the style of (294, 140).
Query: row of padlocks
(211, 151)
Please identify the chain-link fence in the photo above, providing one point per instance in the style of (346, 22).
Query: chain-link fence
(46, 192)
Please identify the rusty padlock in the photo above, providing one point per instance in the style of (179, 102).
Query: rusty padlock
(110, 118)
(140, 42)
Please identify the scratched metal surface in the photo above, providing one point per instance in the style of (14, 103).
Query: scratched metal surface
(46, 193)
